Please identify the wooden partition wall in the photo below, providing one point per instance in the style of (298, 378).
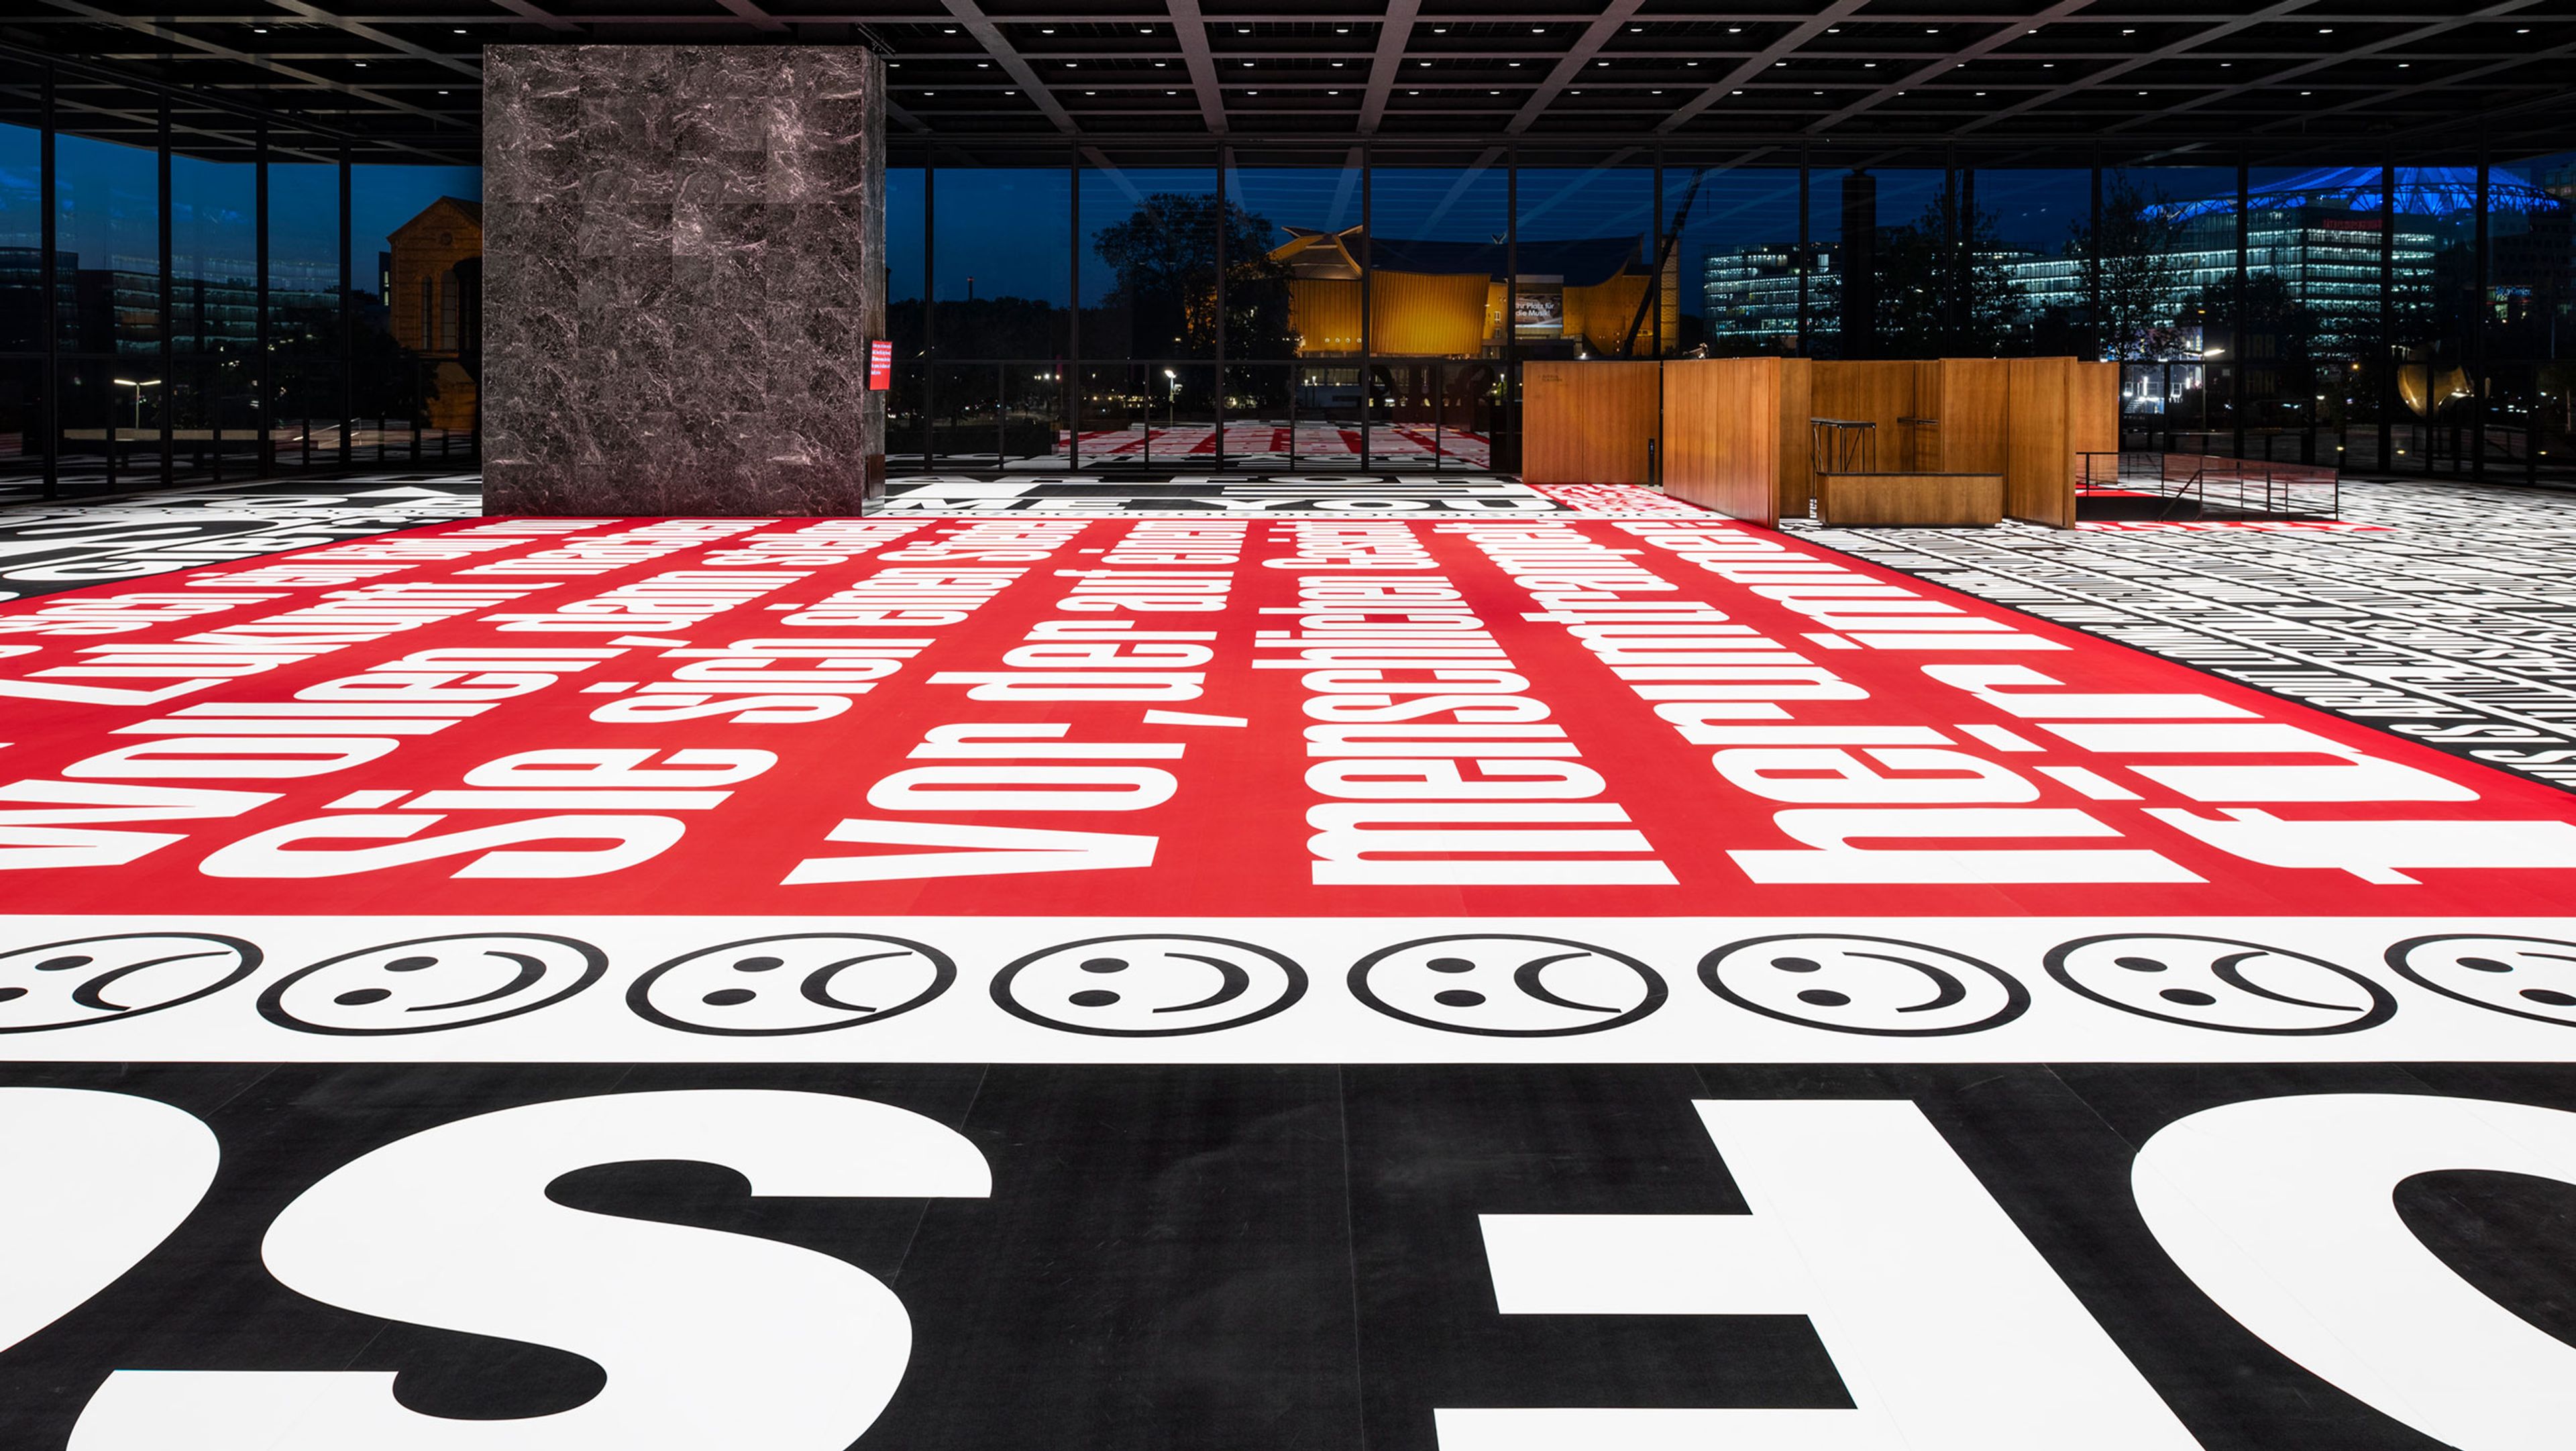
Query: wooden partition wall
(1734, 428)
(1736, 436)
(1588, 423)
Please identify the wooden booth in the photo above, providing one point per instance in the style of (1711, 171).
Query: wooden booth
(1945, 441)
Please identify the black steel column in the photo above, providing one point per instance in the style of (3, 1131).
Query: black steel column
(2093, 264)
(1073, 331)
(1224, 218)
(1368, 338)
(264, 393)
(1806, 248)
(1510, 431)
(348, 312)
(2388, 393)
(51, 315)
(1655, 256)
(1948, 271)
(929, 304)
(2478, 385)
(1967, 247)
(169, 343)
(2239, 329)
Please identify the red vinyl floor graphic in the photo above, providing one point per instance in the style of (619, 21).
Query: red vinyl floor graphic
(1332, 717)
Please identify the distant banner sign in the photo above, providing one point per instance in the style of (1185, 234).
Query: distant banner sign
(880, 366)
(1539, 311)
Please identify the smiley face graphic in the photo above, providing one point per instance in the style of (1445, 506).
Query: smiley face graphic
(2529, 977)
(122, 975)
(1151, 986)
(2220, 983)
(431, 984)
(1876, 985)
(805, 982)
(1505, 985)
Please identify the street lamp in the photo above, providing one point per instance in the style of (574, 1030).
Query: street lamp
(1171, 400)
(138, 396)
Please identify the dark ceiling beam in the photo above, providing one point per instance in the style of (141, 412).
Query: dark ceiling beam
(1189, 29)
(2360, 52)
(2553, 89)
(2188, 44)
(753, 15)
(1569, 66)
(316, 15)
(970, 17)
(261, 63)
(526, 10)
(1935, 70)
(1756, 64)
(1394, 38)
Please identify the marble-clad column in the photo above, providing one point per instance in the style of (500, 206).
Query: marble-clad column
(683, 266)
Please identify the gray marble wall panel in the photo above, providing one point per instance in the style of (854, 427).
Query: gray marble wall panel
(683, 264)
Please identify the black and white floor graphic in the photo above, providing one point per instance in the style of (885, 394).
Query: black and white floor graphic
(2445, 613)
(338, 1167)
(60, 545)
(1398, 1258)
(1240, 494)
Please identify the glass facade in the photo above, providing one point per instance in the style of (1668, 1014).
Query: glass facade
(226, 299)
(259, 300)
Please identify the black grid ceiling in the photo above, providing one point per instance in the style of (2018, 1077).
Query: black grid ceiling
(2136, 78)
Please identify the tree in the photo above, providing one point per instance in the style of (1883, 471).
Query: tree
(2135, 264)
(1922, 312)
(1165, 254)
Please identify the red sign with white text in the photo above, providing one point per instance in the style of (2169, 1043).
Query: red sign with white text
(1183, 715)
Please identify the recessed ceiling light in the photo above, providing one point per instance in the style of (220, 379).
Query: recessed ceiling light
(1247, 65)
(1538, 30)
(1980, 93)
(2325, 30)
(1171, 93)
(1735, 30)
(1091, 93)
(930, 93)
(263, 30)
(2048, 65)
(1337, 65)
(1694, 65)
(951, 30)
(2141, 93)
(1775, 65)
(1869, 65)
(1601, 62)
(1819, 93)
(1252, 93)
(1046, 30)
(983, 65)
(2522, 32)
(362, 65)
(1633, 29)
(1493, 93)
(460, 30)
(1413, 93)
(442, 93)
(1341, 30)
(1161, 64)
(2405, 65)
(2227, 65)
(1739, 93)
(1073, 65)
(1516, 65)
(1833, 30)
(1329, 93)
(2303, 93)
(1932, 30)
